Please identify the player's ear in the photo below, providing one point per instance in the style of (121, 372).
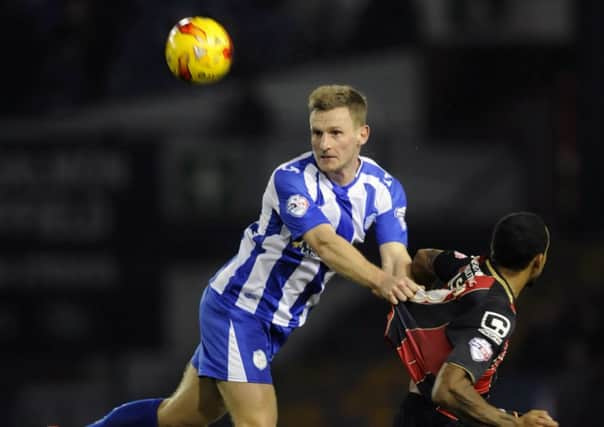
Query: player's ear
(363, 133)
(538, 264)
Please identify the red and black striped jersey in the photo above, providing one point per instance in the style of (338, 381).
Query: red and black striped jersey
(467, 323)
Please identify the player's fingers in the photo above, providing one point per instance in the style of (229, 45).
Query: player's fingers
(406, 288)
(398, 294)
(408, 293)
(388, 296)
(547, 421)
(541, 413)
(541, 418)
(411, 284)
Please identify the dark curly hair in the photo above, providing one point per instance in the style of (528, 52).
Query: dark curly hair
(517, 238)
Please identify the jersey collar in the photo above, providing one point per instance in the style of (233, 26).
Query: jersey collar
(343, 188)
(508, 289)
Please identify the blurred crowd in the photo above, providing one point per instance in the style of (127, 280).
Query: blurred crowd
(68, 53)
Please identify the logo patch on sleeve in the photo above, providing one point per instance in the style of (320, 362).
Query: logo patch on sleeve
(495, 326)
(297, 205)
(480, 349)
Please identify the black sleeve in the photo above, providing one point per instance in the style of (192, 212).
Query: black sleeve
(479, 337)
(448, 263)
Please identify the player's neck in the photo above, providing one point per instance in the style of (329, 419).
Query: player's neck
(516, 279)
(345, 176)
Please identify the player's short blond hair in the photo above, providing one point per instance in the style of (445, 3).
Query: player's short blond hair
(328, 97)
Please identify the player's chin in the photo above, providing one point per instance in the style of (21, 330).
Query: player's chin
(328, 164)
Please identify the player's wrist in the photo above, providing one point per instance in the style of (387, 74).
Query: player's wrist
(514, 416)
(382, 281)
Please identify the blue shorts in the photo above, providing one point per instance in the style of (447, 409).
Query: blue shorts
(235, 345)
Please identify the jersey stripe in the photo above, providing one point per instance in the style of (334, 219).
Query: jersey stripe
(345, 228)
(275, 275)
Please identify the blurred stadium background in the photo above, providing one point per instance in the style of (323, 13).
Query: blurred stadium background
(123, 189)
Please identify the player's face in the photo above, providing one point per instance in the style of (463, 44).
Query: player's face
(336, 143)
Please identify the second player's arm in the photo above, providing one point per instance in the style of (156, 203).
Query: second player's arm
(454, 392)
(348, 261)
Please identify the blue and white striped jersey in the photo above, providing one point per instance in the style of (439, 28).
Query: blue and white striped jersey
(275, 274)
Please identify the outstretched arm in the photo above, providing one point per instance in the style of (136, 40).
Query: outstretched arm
(395, 259)
(453, 391)
(348, 261)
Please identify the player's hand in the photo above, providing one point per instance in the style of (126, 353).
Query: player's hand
(537, 417)
(396, 289)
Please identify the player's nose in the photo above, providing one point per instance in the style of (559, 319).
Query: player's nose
(324, 142)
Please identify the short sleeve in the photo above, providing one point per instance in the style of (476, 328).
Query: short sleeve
(391, 225)
(479, 337)
(297, 209)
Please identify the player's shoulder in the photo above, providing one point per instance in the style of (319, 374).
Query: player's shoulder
(498, 315)
(372, 169)
(296, 165)
(501, 295)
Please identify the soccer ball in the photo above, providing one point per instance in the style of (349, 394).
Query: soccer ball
(199, 50)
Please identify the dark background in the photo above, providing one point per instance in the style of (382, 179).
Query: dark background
(122, 189)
